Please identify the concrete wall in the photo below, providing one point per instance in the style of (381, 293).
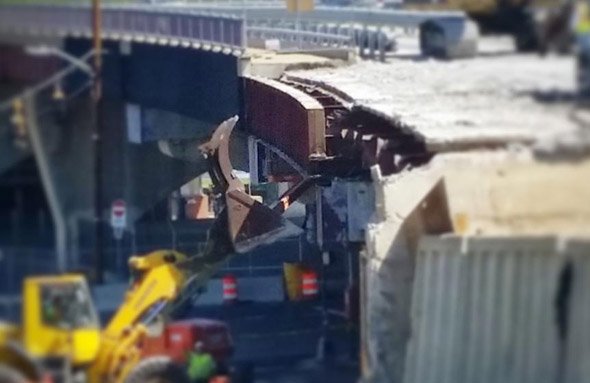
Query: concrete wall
(415, 309)
(405, 209)
(513, 195)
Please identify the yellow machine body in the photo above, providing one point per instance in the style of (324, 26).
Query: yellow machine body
(158, 281)
(74, 333)
(8, 332)
(59, 319)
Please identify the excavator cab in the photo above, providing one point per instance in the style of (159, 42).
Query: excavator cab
(59, 319)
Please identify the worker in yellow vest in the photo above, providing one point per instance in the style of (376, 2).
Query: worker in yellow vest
(201, 365)
(582, 30)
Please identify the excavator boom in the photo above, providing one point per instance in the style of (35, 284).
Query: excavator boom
(164, 279)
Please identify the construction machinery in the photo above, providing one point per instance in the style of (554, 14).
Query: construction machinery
(60, 340)
(525, 20)
(178, 338)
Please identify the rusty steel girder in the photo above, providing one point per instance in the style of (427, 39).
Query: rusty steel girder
(285, 118)
(324, 132)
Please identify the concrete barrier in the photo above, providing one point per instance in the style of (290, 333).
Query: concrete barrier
(255, 289)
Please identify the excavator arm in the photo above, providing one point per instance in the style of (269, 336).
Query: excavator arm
(164, 279)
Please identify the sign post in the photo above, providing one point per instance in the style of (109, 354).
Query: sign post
(119, 224)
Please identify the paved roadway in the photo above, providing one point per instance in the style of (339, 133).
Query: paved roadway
(280, 340)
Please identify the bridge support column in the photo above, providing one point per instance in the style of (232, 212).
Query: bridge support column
(49, 182)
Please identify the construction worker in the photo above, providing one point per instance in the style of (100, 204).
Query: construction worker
(201, 365)
(582, 29)
(53, 310)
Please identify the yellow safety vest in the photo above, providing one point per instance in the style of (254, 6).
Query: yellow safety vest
(201, 366)
(583, 17)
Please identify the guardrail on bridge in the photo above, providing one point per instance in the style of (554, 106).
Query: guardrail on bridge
(143, 24)
(455, 34)
(291, 39)
(337, 15)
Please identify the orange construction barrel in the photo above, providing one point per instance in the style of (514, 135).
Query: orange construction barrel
(309, 284)
(230, 288)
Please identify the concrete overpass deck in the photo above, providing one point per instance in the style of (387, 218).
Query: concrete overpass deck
(496, 99)
(410, 108)
(481, 103)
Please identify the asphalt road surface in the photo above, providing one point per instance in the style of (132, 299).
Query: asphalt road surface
(280, 341)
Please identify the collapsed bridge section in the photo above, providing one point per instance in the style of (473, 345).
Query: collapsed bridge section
(316, 129)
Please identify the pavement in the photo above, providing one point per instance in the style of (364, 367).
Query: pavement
(309, 371)
(280, 341)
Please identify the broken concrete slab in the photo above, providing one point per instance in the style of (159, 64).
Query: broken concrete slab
(496, 100)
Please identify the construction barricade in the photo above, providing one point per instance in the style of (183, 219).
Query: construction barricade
(230, 289)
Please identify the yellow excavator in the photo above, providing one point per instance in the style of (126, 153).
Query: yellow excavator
(525, 20)
(60, 339)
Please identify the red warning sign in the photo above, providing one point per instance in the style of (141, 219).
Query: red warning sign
(119, 214)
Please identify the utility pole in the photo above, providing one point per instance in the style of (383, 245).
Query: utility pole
(97, 139)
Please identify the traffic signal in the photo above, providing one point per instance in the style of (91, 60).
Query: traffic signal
(18, 120)
(58, 92)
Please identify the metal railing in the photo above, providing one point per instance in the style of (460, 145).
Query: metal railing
(376, 41)
(186, 27)
(221, 27)
(337, 15)
(299, 39)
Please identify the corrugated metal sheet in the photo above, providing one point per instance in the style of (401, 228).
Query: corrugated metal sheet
(485, 310)
(578, 346)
